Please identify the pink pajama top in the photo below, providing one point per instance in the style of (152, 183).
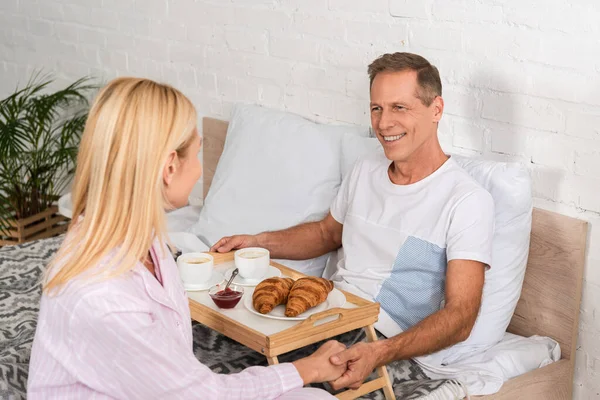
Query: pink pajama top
(130, 337)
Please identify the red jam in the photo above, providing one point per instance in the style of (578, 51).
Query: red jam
(226, 298)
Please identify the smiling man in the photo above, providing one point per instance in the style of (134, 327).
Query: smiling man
(416, 229)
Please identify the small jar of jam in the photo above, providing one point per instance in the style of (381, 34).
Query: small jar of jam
(226, 298)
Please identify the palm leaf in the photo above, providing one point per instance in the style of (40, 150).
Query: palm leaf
(39, 136)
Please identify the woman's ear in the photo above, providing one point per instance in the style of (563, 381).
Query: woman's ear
(170, 168)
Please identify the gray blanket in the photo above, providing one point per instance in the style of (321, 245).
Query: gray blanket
(21, 269)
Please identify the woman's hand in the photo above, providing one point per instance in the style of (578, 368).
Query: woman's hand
(317, 367)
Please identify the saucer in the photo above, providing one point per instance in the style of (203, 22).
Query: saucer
(238, 280)
(215, 278)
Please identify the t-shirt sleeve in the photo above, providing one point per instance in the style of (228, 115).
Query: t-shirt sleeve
(472, 229)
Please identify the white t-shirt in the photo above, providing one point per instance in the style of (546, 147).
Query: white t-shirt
(398, 239)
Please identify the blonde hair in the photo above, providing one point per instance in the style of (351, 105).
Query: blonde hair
(118, 192)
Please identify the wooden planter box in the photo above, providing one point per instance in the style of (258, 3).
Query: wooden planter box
(46, 224)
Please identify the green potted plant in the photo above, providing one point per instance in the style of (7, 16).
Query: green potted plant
(40, 131)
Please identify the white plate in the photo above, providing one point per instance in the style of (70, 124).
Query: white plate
(335, 299)
(238, 280)
(215, 277)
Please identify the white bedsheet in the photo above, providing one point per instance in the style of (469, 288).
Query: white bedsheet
(485, 372)
(181, 219)
(178, 223)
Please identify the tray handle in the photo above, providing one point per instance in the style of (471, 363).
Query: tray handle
(313, 319)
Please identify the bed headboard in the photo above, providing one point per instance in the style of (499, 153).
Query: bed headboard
(213, 140)
(549, 303)
(551, 296)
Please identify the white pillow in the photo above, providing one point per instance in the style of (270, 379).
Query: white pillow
(355, 147)
(277, 170)
(510, 187)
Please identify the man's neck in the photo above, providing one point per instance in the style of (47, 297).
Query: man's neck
(424, 162)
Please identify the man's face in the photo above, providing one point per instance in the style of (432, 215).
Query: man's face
(403, 124)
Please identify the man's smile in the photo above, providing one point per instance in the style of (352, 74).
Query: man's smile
(393, 138)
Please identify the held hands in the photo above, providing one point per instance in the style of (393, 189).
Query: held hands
(317, 367)
(360, 360)
(339, 366)
(229, 243)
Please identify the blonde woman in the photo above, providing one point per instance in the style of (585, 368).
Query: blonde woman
(114, 319)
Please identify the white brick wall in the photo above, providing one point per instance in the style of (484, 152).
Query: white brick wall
(520, 77)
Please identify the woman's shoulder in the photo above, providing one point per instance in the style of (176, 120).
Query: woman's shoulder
(105, 287)
(94, 292)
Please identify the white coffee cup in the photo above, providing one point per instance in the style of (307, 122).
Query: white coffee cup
(252, 262)
(195, 268)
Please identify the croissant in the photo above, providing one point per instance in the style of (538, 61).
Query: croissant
(306, 293)
(270, 293)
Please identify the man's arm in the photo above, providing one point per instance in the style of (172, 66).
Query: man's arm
(300, 242)
(451, 325)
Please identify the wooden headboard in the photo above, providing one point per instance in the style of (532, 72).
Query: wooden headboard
(213, 140)
(551, 296)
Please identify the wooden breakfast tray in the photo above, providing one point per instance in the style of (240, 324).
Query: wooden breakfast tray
(275, 337)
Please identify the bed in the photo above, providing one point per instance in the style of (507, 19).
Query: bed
(551, 295)
(549, 304)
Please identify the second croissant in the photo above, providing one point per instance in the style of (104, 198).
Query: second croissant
(306, 293)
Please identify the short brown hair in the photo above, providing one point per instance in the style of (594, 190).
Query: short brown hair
(428, 76)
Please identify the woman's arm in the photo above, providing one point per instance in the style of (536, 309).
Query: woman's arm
(121, 350)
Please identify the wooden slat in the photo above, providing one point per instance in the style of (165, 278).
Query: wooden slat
(29, 220)
(13, 232)
(48, 223)
(551, 296)
(8, 242)
(43, 225)
(388, 390)
(365, 388)
(213, 141)
(48, 233)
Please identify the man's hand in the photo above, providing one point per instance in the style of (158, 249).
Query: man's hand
(300, 242)
(229, 243)
(361, 359)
